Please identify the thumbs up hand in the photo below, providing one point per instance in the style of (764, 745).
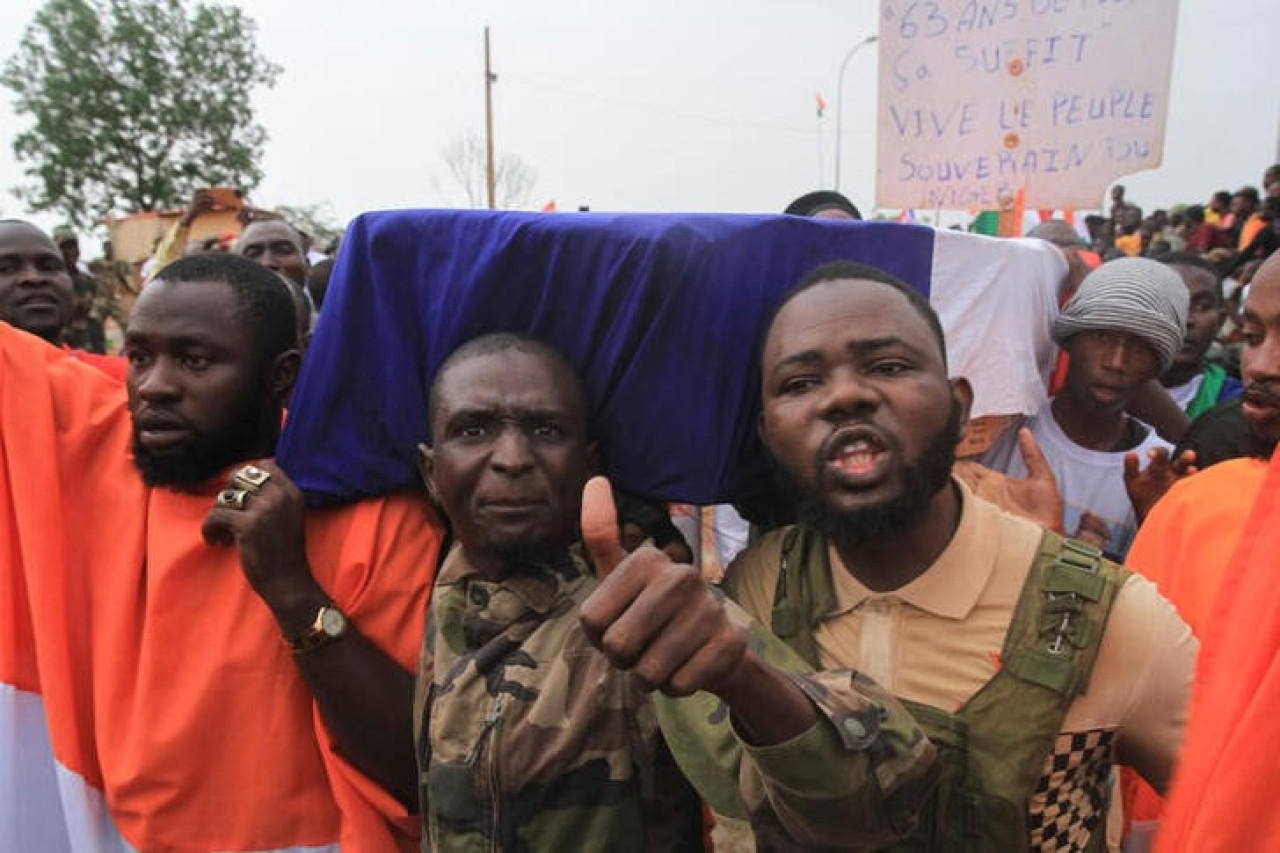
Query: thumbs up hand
(654, 617)
(600, 527)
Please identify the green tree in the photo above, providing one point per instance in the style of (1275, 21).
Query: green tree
(318, 220)
(135, 104)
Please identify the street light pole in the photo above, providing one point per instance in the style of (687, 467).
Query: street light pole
(840, 97)
(489, 77)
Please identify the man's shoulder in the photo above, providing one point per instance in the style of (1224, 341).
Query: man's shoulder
(762, 555)
(751, 578)
(1240, 477)
(371, 512)
(378, 553)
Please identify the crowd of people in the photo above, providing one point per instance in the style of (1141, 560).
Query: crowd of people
(934, 632)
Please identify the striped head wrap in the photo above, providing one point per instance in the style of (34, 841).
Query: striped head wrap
(1134, 295)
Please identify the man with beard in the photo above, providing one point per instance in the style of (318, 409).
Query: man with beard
(536, 728)
(1186, 541)
(201, 680)
(1030, 662)
(1209, 545)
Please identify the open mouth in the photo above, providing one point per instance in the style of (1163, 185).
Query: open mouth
(858, 455)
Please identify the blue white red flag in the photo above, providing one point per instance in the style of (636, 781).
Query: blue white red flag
(661, 314)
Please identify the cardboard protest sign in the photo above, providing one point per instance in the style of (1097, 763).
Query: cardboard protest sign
(981, 98)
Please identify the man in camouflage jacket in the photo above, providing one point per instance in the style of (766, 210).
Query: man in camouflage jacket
(535, 726)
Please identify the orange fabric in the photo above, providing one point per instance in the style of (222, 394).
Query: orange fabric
(113, 365)
(1130, 244)
(1183, 548)
(1249, 230)
(1184, 544)
(1223, 797)
(164, 679)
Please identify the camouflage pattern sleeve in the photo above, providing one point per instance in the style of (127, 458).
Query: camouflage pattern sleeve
(856, 779)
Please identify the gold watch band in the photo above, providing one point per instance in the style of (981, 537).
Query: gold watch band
(329, 626)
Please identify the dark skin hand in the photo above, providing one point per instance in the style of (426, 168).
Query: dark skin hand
(1147, 486)
(364, 696)
(657, 620)
(1035, 496)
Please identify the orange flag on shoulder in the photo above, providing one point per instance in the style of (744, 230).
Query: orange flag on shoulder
(1223, 796)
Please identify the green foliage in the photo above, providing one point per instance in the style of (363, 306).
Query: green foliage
(135, 104)
(318, 220)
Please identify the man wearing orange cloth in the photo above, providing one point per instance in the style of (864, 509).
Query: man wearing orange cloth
(1186, 544)
(174, 674)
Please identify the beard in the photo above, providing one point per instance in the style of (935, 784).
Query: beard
(919, 482)
(207, 454)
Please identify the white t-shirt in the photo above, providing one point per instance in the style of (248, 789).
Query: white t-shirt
(1088, 480)
(1186, 392)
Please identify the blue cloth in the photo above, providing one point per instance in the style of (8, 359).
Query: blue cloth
(661, 314)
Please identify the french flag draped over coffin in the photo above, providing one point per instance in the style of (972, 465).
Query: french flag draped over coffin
(661, 314)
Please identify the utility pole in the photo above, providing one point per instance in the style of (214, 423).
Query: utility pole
(871, 39)
(489, 77)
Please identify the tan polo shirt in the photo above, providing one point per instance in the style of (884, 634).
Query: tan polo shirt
(937, 639)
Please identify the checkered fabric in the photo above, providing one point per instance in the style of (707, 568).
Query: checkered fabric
(1070, 803)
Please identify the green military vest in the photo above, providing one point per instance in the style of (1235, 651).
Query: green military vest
(992, 751)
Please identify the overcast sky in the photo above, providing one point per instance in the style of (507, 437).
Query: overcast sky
(699, 105)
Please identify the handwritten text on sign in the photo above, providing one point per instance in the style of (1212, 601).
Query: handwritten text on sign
(981, 98)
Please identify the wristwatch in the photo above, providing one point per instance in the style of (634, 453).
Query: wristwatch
(330, 625)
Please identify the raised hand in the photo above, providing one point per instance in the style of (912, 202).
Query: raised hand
(1148, 485)
(651, 616)
(1035, 496)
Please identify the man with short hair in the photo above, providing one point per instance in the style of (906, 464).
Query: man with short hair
(1130, 237)
(1194, 383)
(85, 329)
(1248, 219)
(824, 204)
(1186, 544)
(36, 292)
(1122, 329)
(250, 693)
(1188, 537)
(1218, 210)
(535, 727)
(278, 246)
(1032, 663)
(1061, 234)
